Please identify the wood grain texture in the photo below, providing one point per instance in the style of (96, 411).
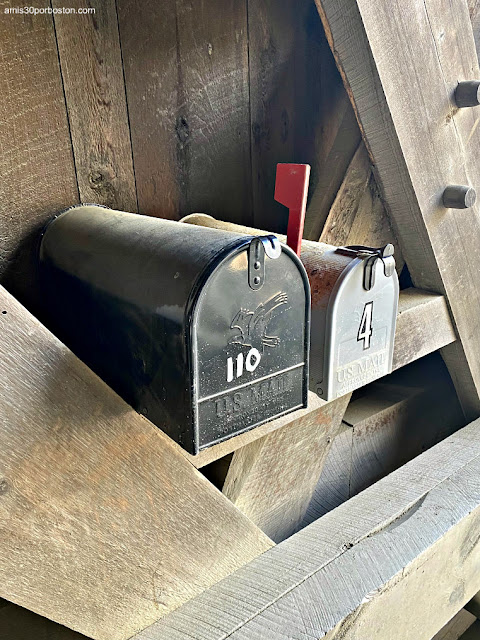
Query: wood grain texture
(104, 526)
(91, 66)
(186, 73)
(358, 215)
(299, 109)
(386, 424)
(333, 486)
(36, 165)
(356, 560)
(273, 31)
(474, 8)
(336, 141)
(423, 325)
(272, 479)
(409, 422)
(418, 151)
(17, 623)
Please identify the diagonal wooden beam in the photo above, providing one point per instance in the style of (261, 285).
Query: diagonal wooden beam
(272, 479)
(401, 62)
(104, 525)
(409, 543)
(358, 215)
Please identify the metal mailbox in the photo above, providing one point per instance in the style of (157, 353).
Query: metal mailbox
(354, 310)
(203, 331)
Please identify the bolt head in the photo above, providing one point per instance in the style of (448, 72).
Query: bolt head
(467, 94)
(458, 196)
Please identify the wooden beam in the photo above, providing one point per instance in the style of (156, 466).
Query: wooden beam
(272, 479)
(326, 133)
(36, 163)
(91, 65)
(420, 143)
(392, 424)
(385, 425)
(408, 543)
(105, 527)
(358, 215)
(338, 141)
(474, 8)
(418, 313)
(333, 486)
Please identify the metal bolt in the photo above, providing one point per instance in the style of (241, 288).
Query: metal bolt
(256, 265)
(256, 280)
(467, 94)
(458, 196)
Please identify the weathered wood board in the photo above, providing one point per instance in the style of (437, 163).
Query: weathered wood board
(36, 164)
(386, 424)
(272, 479)
(105, 527)
(358, 215)
(337, 142)
(272, 32)
(408, 543)
(392, 425)
(333, 486)
(423, 326)
(420, 143)
(186, 75)
(92, 73)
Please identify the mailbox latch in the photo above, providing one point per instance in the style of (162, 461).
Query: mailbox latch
(259, 247)
(370, 255)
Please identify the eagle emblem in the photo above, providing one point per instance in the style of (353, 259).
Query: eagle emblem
(252, 326)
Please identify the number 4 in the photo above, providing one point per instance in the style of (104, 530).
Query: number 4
(365, 330)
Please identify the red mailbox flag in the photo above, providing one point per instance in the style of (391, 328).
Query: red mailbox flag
(291, 188)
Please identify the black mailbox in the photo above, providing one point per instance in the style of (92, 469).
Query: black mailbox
(203, 331)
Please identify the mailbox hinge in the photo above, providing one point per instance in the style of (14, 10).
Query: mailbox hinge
(259, 247)
(370, 255)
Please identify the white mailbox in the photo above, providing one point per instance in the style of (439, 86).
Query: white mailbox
(354, 310)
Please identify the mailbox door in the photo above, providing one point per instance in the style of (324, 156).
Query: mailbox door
(249, 346)
(360, 329)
